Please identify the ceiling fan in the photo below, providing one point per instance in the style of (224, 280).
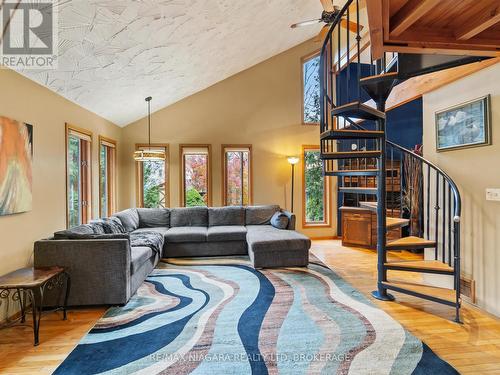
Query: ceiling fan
(328, 15)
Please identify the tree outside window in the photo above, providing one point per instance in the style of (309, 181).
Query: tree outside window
(237, 175)
(311, 90)
(153, 182)
(315, 188)
(195, 175)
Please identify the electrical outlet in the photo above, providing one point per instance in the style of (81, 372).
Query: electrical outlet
(493, 194)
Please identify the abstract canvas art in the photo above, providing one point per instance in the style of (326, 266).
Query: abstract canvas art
(465, 125)
(16, 154)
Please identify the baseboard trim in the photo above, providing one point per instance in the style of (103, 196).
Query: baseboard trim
(321, 238)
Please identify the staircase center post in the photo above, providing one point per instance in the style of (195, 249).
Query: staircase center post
(381, 292)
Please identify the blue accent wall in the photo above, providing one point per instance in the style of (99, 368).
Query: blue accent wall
(347, 84)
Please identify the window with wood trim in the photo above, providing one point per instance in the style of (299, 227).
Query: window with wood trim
(310, 89)
(78, 176)
(315, 189)
(107, 176)
(195, 175)
(153, 179)
(236, 174)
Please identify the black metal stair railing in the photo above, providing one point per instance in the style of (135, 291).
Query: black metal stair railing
(428, 197)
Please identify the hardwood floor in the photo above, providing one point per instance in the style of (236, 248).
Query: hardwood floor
(473, 348)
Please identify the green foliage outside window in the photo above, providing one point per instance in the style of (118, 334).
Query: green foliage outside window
(315, 187)
(153, 184)
(194, 198)
(74, 192)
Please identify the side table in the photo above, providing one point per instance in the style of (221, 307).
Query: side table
(33, 282)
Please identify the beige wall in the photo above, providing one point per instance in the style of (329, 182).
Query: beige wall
(474, 170)
(24, 100)
(259, 106)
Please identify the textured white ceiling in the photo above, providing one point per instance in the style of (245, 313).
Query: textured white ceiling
(114, 53)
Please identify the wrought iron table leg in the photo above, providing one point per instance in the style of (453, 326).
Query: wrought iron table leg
(35, 320)
(22, 304)
(68, 287)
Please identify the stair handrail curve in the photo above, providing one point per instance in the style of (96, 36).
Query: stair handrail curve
(453, 185)
(335, 22)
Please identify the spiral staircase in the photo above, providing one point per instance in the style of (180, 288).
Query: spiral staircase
(353, 113)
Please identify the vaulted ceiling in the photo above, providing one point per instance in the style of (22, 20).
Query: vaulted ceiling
(114, 53)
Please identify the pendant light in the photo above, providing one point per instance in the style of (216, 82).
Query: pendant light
(149, 154)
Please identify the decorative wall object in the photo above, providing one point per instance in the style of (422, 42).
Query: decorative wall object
(16, 154)
(465, 125)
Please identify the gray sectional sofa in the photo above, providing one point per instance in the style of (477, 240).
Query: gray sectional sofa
(109, 259)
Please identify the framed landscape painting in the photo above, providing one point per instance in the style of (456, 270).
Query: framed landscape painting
(465, 125)
(16, 154)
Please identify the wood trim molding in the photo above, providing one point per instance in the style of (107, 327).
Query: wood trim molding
(327, 195)
(138, 174)
(182, 146)
(111, 179)
(303, 60)
(224, 168)
(67, 128)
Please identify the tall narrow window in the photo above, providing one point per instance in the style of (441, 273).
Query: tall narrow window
(315, 189)
(195, 179)
(78, 176)
(153, 180)
(237, 179)
(310, 89)
(107, 176)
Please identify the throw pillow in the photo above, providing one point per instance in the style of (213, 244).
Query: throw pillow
(279, 220)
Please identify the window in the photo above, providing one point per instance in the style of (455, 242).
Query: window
(236, 172)
(195, 189)
(310, 89)
(107, 176)
(153, 179)
(315, 200)
(78, 176)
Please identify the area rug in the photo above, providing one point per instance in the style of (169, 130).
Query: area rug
(221, 316)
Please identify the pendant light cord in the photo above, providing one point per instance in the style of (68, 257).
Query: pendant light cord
(148, 99)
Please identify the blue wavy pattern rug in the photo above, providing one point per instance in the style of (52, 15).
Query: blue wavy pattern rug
(221, 316)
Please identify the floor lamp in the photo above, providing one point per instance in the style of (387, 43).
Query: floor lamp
(292, 160)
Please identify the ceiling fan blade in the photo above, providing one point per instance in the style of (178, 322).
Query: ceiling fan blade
(306, 23)
(352, 26)
(322, 34)
(327, 5)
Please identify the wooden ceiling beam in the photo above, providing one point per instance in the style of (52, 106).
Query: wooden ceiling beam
(410, 13)
(374, 11)
(488, 18)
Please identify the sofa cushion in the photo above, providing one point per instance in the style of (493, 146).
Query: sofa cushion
(189, 217)
(224, 233)
(279, 220)
(260, 215)
(161, 230)
(138, 256)
(153, 217)
(129, 219)
(230, 215)
(268, 238)
(186, 234)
